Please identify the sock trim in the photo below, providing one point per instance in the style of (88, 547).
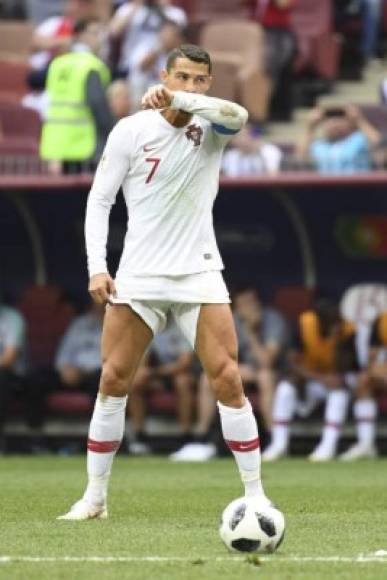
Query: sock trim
(281, 423)
(333, 425)
(243, 446)
(102, 446)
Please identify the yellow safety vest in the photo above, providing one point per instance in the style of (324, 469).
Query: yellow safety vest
(69, 132)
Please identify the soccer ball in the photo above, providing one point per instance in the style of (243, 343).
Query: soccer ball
(249, 525)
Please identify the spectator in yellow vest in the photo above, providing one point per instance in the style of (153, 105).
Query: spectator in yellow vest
(78, 118)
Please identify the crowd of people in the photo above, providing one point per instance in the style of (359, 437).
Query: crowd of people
(289, 371)
(90, 68)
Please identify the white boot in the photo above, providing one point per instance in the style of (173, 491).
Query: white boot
(359, 451)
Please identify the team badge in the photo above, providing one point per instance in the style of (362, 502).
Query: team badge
(194, 133)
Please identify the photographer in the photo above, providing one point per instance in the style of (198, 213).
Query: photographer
(345, 144)
(137, 25)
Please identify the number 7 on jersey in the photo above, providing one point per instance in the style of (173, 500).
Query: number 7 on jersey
(155, 161)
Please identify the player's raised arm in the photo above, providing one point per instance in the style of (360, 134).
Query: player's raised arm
(110, 173)
(227, 117)
(221, 113)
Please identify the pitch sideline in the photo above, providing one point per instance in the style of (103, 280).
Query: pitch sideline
(360, 559)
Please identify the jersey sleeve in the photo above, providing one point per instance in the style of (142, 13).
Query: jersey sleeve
(112, 169)
(226, 118)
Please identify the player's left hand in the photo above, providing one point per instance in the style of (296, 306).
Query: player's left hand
(157, 97)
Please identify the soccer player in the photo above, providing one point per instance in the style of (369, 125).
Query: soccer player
(167, 159)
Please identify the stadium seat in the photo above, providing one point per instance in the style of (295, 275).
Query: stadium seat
(318, 45)
(47, 315)
(13, 80)
(293, 300)
(240, 44)
(71, 403)
(19, 129)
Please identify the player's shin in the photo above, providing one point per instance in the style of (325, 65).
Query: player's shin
(105, 436)
(241, 435)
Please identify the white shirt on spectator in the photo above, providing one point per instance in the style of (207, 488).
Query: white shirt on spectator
(141, 35)
(267, 160)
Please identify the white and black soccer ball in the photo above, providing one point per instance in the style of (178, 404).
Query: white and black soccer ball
(249, 525)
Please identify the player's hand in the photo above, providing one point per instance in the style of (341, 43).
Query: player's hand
(157, 97)
(315, 117)
(101, 287)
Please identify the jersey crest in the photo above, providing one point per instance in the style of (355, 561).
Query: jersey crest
(194, 133)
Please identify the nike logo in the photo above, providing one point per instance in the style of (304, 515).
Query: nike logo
(146, 149)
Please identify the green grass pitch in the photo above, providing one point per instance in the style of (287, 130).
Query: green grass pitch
(172, 511)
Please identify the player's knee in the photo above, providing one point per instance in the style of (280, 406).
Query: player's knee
(113, 381)
(227, 384)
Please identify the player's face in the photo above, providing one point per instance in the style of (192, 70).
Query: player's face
(187, 75)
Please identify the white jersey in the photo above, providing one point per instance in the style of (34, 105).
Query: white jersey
(170, 179)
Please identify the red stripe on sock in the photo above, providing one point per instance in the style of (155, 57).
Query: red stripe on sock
(280, 423)
(243, 446)
(365, 420)
(102, 446)
(334, 425)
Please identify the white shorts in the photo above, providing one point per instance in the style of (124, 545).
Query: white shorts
(155, 298)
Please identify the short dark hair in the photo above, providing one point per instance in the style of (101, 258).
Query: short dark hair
(190, 51)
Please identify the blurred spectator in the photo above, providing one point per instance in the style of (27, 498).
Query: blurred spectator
(346, 142)
(146, 71)
(12, 360)
(78, 117)
(250, 155)
(54, 35)
(368, 13)
(371, 381)
(274, 16)
(262, 337)
(320, 367)
(137, 24)
(120, 100)
(77, 364)
(169, 363)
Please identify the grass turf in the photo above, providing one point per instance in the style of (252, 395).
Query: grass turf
(158, 508)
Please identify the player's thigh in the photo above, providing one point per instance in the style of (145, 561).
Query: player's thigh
(125, 338)
(216, 340)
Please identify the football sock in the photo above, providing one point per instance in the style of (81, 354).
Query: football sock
(284, 407)
(365, 411)
(240, 432)
(105, 435)
(335, 413)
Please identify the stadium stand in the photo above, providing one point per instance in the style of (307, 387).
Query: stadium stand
(241, 44)
(20, 129)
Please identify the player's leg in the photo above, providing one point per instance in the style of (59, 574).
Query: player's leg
(124, 340)
(266, 380)
(202, 448)
(365, 413)
(217, 348)
(336, 408)
(138, 444)
(183, 384)
(284, 408)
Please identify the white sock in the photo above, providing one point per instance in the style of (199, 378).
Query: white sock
(284, 407)
(365, 411)
(240, 432)
(335, 414)
(105, 435)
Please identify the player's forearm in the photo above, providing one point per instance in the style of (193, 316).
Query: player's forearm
(217, 111)
(96, 233)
